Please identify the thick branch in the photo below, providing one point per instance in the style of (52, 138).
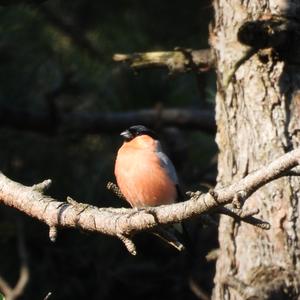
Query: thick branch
(124, 222)
(93, 123)
(180, 60)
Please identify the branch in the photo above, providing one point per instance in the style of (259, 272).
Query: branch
(177, 61)
(123, 222)
(93, 123)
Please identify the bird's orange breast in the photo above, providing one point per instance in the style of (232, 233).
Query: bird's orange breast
(140, 176)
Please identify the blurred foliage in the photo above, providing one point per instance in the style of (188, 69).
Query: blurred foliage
(66, 60)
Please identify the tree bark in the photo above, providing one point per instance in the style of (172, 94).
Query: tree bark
(258, 119)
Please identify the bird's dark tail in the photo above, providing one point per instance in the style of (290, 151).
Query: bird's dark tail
(175, 235)
(168, 235)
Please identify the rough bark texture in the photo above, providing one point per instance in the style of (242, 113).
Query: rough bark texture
(258, 119)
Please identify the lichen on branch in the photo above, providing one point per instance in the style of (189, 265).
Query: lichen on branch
(177, 61)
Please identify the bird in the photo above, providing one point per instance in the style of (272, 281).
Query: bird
(145, 175)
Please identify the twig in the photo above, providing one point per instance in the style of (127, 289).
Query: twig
(213, 255)
(115, 189)
(245, 216)
(128, 243)
(246, 55)
(126, 222)
(48, 296)
(197, 290)
(52, 233)
(4, 287)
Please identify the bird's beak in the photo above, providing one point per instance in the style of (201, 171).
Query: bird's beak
(126, 134)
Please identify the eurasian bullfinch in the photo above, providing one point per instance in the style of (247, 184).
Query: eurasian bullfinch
(145, 175)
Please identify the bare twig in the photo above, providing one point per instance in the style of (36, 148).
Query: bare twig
(48, 296)
(115, 189)
(177, 61)
(212, 255)
(197, 290)
(128, 243)
(245, 216)
(126, 222)
(245, 55)
(4, 287)
(52, 233)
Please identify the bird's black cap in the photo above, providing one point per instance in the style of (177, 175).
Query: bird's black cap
(137, 130)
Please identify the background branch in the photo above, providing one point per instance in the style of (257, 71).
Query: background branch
(93, 123)
(177, 61)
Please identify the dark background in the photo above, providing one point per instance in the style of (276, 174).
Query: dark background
(56, 57)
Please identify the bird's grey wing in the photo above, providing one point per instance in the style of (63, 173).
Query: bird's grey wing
(168, 166)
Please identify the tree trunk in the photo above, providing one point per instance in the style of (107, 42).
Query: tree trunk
(258, 119)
